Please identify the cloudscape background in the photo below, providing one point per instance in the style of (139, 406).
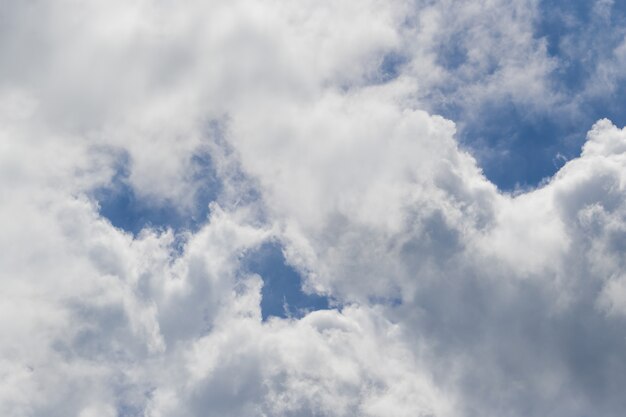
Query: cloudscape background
(312, 208)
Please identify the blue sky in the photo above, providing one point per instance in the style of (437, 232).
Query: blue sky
(524, 145)
(300, 208)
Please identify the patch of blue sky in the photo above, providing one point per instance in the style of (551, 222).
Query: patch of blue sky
(282, 294)
(452, 54)
(391, 66)
(579, 33)
(130, 411)
(516, 145)
(126, 209)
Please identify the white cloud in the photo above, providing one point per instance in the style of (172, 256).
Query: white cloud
(456, 299)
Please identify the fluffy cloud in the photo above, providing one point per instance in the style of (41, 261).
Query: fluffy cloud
(450, 297)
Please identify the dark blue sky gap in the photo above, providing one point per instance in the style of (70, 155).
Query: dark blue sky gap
(391, 66)
(121, 205)
(124, 209)
(515, 145)
(282, 284)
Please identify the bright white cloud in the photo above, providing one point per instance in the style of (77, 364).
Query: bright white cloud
(454, 299)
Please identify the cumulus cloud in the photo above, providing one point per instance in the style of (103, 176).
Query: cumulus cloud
(317, 120)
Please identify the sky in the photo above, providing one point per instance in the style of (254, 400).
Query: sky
(312, 208)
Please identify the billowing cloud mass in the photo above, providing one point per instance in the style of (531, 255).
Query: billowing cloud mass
(314, 126)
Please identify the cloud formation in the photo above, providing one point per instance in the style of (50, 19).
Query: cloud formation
(312, 126)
